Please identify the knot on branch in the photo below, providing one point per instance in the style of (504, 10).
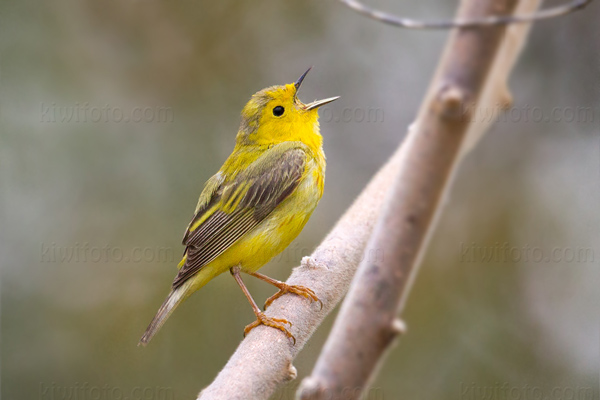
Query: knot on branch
(388, 332)
(506, 99)
(311, 263)
(291, 372)
(452, 103)
(398, 326)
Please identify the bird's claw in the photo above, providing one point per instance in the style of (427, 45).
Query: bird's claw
(296, 289)
(277, 323)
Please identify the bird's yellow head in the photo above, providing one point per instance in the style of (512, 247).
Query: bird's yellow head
(276, 115)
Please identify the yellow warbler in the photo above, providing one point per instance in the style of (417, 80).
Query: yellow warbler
(257, 203)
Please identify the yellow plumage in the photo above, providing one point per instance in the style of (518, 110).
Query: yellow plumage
(257, 203)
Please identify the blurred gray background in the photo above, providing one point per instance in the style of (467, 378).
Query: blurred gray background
(94, 206)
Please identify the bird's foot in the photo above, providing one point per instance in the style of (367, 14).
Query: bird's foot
(296, 289)
(277, 323)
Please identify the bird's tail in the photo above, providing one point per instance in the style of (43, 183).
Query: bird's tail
(171, 302)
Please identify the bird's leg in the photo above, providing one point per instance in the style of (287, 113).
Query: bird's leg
(285, 288)
(261, 318)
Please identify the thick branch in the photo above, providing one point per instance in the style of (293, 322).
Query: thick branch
(466, 79)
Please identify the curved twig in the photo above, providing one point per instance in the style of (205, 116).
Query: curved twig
(391, 19)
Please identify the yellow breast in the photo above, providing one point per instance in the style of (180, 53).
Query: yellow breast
(276, 232)
(284, 224)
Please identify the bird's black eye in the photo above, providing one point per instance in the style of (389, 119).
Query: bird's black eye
(278, 111)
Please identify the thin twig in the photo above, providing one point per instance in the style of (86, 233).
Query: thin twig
(367, 323)
(465, 23)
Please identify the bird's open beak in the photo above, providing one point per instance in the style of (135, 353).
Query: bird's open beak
(319, 103)
(299, 81)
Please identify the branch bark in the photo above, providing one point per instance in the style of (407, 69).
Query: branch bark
(472, 74)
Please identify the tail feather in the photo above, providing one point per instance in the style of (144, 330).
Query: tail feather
(171, 302)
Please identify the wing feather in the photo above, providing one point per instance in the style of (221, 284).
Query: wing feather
(237, 206)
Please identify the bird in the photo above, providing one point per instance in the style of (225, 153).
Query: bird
(256, 204)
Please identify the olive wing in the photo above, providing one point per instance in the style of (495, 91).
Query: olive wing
(238, 206)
